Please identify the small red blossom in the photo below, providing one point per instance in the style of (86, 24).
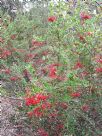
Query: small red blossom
(98, 70)
(37, 43)
(99, 60)
(54, 65)
(89, 33)
(42, 132)
(84, 73)
(78, 65)
(85, 108)
(7, 71)
(59, 126)
(30, 55)
(52, 73)
(64, 105)
(38, 112)
(45, 53)
(46, 105)
(5, 54)
(85, 16)
(1, 40)
(41, 96)
(31, 101)
(81, 38)
(15, 78)
(75, 94)
(13, 36)
(30, 114)
(52, 19)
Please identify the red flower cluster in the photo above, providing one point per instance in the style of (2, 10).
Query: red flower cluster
(14, 78)
(98, 70)
(75, 94)
(99, 60)
(81, 38)
(89, 33)
(52, 19)
(84, 73)
(5, 54)
(42, 132)
(52, 73)
(40, 100)
(78, 65)
(37, 43)
(35, 99)
(53, 70)
(85, 108)
(32, 101)
(6, 71)
(13, 36)
(85, 16)
(38, 112)
(1, 40)
(41, 96)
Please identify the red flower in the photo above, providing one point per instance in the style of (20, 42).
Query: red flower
(30, 55)
(52, 73)
(30, 114)
(40, 96)
(42, 132)
(37, 43)
(52, 19)
(5, 54)
(13, 36)
(45, 53)
(15, 78)
(99, 60)
(31, 101)
(85, 16)
(89, 33)
(37, 112)
(81, 38)
(7, 71)
(98, 70)
(59, 126)
(46, 105)
(85, 108)
(75, 94)
(78, 65)
(1, 40)
(84, 73)
(54, 65)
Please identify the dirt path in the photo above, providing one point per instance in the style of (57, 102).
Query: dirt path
(6, 111)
